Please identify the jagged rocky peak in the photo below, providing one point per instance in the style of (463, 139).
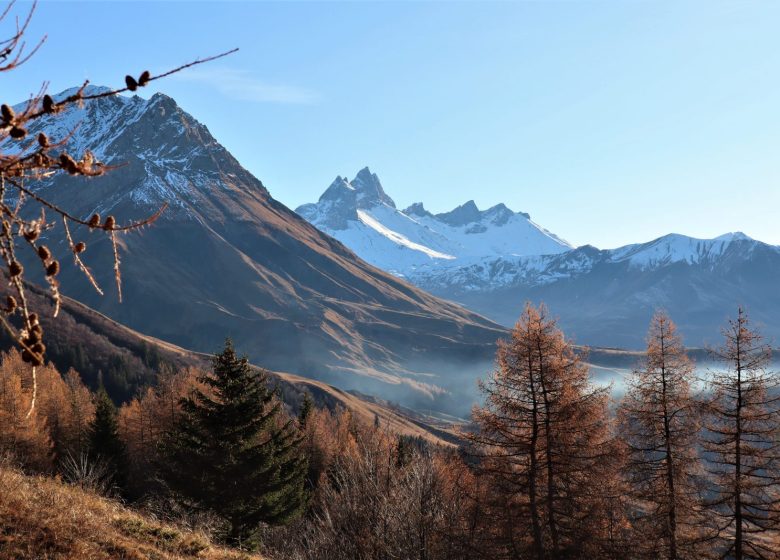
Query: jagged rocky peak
(340, 202)
(469, 213)
(364, 191)
(500, 214)
(464, 214)
(361, 215)
(369, 190)
(417, 209)
(339, 191)
(335, 208)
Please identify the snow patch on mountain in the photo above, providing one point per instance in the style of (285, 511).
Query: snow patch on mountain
(362, 216)
(491, 273)
(374, 224)
(172, 157)
(676, 248)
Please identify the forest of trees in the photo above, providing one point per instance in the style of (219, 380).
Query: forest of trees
(552, 466)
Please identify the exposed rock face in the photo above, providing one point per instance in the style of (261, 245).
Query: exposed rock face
(226, 259)
(362, 216)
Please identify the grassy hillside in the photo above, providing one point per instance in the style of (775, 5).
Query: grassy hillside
(41, 518)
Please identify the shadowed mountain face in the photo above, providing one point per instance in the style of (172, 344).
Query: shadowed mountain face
(606, 298)
(495, 260)
(226, 259)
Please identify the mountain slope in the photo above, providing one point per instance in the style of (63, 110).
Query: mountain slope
(607, 297)
(126, 362)
(493, 261)
(362, 216)
(226, 259)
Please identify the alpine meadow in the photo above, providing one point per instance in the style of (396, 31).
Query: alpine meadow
(548, 332)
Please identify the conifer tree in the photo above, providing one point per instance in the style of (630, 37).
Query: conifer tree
(232, 453)
(105, 444)
(306, 407)
(659, 423)
(741, 445)
(548, 452)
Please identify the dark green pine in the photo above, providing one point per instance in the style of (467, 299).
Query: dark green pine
(306, 407)
(232, 453)
(104, 442)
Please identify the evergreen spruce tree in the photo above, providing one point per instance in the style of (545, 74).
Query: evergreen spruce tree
(104, 442)
(306, 407)
(232, 453)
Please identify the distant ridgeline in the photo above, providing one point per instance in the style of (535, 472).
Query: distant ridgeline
(493, 261)
(100, 350)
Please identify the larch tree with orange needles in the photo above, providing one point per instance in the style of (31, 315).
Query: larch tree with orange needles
(742, 445)
(547, 444)
(659, 422)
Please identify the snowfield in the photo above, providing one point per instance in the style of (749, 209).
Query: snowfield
(472, 250)
(361, 215)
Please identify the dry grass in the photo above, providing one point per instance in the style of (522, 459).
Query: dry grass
(44, 519)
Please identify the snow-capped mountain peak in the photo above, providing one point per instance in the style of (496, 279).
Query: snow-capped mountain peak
(369, 190)
(89, 90)
(361, 215)
(169, 157)
(677, 248)
(734, 236)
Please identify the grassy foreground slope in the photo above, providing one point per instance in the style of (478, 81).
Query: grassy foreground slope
(44, 519)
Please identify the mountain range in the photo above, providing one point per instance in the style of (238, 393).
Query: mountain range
(362, 216)
(226, 259)
(494, 260)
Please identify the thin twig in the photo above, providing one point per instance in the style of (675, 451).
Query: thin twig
(84, 268)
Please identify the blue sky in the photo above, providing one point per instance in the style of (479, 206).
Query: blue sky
(609, 122)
